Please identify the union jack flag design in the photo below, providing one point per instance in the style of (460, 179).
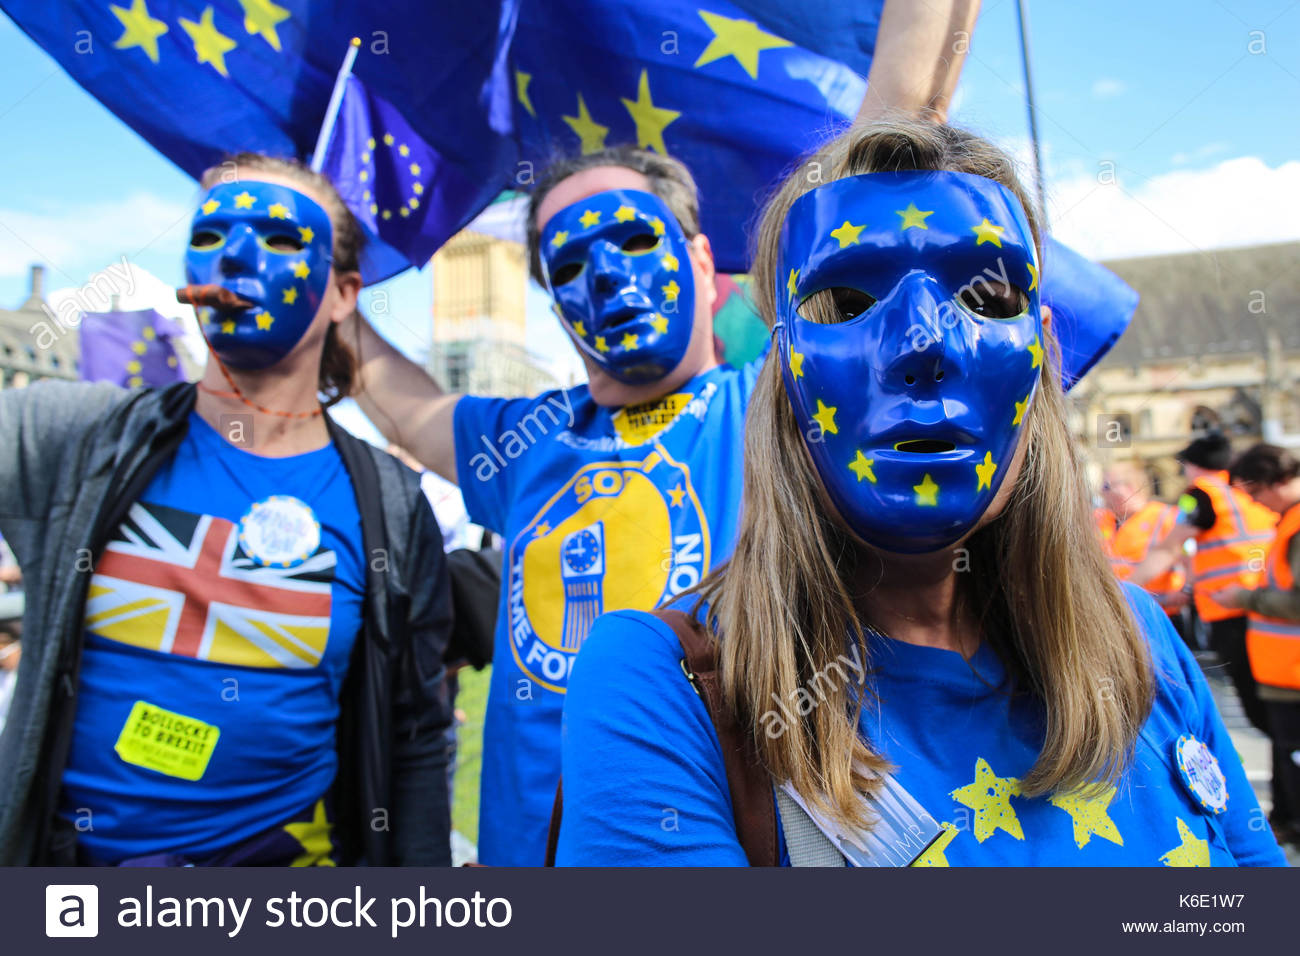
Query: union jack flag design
(180, 583)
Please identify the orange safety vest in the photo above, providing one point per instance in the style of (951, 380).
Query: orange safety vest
(1231, 552)
(1105, 521)
(1133, 541)
(1274, 644)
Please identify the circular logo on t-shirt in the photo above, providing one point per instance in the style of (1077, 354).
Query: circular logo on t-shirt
(279, 531)
(1201, 774)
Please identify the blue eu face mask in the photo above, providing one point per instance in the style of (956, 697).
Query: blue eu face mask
(913, 400)
(271, 245)
(618, 267)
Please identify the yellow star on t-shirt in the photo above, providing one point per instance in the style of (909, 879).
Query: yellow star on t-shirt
(669, 262)
(314, 837)
(560, 238)
(261, 18)
(542, 530)
(210, 45)
(1191, 850)
(659, 323)
(927, 492)
(522, 80)
(651, 120)
(825, 417)
(1033, 276)
(1036, 350)
(990, 797)
(210, 207)
(796, 364)
(671, 290)
(848, 233)
(792, 282)
(913, 218)
(629, 341)
(1020, 411)
(936, 853)
(307, 234)
(1089, 815)
(301, 269)
(290, 295)
(277, 210)
(737, 38)
(677, 494)
(245, 200)
(600, 344)
(590, 133)
(579, 329)
(589, 218)
(624, 214)
(984, 472)
(265, 320)
(987, 232)
(139, 29)
(861, 466)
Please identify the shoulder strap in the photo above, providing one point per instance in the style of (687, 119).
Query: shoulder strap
(747, 779)
(804, 840)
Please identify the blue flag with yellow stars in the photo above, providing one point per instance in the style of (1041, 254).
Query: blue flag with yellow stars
(130, 349)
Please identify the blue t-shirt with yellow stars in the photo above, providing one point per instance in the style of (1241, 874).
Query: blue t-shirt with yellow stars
(600, 509)
(644, 782)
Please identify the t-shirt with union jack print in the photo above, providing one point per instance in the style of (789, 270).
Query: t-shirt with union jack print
(219, 624)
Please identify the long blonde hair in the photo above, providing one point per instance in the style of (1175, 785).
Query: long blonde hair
(1040, 586)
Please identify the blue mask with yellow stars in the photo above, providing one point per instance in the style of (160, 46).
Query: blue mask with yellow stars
(273, 246)
(617, 265)
(913, 398)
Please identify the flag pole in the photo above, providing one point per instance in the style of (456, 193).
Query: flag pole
(1033, 111)
(336, 101)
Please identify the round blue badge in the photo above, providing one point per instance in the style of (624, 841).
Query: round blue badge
(1201, 774)
(279, 531)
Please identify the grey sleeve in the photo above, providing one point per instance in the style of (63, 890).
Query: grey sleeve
(1275, 602)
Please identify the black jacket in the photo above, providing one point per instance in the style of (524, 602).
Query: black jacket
(73, 459)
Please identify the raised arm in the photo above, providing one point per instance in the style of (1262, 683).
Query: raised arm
(403, 401)
(920, 49)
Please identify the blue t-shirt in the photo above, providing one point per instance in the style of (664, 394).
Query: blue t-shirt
(219, 624)
(644, 781)
(600, 509)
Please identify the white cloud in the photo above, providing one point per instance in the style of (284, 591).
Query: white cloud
(1199, 153)
(1108, 87)
(1238, 202)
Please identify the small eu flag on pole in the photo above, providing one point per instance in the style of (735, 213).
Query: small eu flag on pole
(130, 349)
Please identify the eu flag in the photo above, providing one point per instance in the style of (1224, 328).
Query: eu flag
(130, 348)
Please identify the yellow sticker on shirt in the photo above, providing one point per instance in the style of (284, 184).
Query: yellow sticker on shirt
(639, 424)
(167, 742)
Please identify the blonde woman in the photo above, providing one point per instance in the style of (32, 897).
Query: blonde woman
(918, 635)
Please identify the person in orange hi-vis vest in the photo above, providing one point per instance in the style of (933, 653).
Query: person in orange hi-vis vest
(1232, 533)
(1126, 491)
(1106, 522)
(1271, 476)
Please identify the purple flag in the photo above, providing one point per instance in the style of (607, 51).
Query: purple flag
(129, 348)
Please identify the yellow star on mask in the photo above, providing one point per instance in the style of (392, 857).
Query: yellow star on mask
(1089, 815)
(657, 225)
(265, 320)
(290, 295)
(210, 45)
(738, 38)
(590, 133)
(990, 797)
(278, 210)
(560, 238)
(579, 329)
(1191, 850)
(301, 269)
(522, 80)
(987, 232)
(825, 417)
(848, 233)
(629, 341)
(261, 18)
(671, 291)
(245, 200)
(138, 29)
(861, 466)
(913, 217)
(1033, 276)
(936, 853)
(1036, 350)
(678, 494)
(984, 472)
(651, 120)
(600, 344)
(624, 214)
(659, 324)
(210, 207)
(669, 262)
(796, 364)
(927, 492)
(307, 234)
(589, 218)
(228, 327)
(1020, 411)
(314, 838)
(792, 282)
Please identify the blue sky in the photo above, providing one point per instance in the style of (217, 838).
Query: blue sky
(1167, 126)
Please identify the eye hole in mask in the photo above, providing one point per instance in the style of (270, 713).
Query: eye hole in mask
(994, 300)
(566, 273)
(207, 239)
(282, 243)
(835, 305)
(642, 242)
